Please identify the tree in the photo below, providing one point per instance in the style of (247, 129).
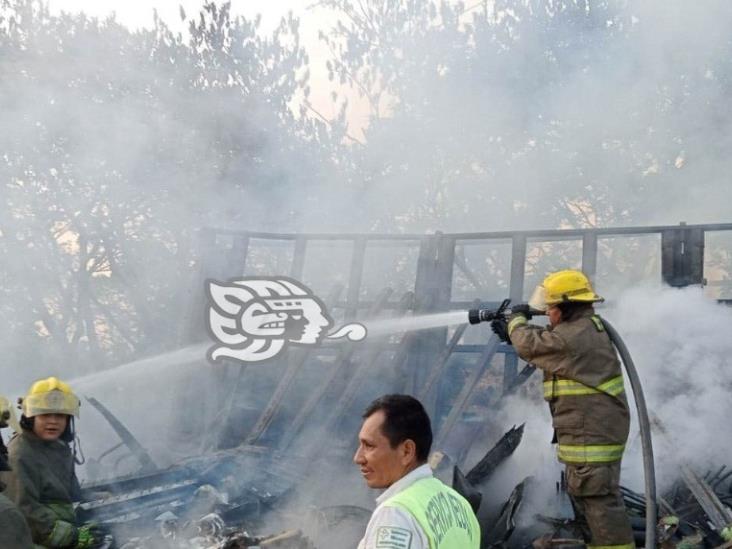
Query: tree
(526, 113)
(118, 147)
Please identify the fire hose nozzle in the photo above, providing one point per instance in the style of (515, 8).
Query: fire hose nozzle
(476, 316)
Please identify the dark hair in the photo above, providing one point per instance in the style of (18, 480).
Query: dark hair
(571, 309)
(404, 419)
(27, 423)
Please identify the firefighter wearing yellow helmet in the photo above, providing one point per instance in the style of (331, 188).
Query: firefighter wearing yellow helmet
(43, 481)
(14, 531)
(583, 385)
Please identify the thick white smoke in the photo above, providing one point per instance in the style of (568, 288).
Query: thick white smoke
(678, 340)
(581, 114)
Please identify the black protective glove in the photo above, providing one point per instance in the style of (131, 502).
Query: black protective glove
(500, 328)
(522, 309)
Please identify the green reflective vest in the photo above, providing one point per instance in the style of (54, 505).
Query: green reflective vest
(445, 516)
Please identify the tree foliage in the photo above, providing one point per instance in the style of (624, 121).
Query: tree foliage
(536, 113)
(117, 147)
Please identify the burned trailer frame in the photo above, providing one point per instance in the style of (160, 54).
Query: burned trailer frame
(256, 431)
(435, 271)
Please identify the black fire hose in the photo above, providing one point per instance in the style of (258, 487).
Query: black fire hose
(649, 473)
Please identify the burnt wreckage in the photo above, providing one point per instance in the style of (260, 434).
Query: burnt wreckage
(290, 424)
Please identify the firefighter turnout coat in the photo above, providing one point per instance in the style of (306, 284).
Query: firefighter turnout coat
(43, 485)
(14, 532)
(583, 384)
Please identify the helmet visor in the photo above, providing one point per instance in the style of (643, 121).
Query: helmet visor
(52, 402)
(538, 299)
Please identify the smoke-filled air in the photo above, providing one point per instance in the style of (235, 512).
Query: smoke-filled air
(191, 206)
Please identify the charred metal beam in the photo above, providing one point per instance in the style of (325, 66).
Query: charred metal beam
(463, 487)
(295, 363)
(496, 455)
(358, 371)
(719, 515)
(343, 360)
(506, 523)
(147, 465)
(142, 500)
(520, 379)
(462, 265)
(554, 234)
(466, 393)
(439, 366)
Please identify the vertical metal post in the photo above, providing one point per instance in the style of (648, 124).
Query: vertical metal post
(518, 268)
(213, 263)
(589, 255)
(424, 284)
(355, 277)
(682, 256)
(207, 258)
(516, 293)
(510, 369)
(237, 259)
(298, 259)
(445, 268)
(433, 290)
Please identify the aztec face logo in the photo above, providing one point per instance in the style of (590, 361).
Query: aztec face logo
(253, 319)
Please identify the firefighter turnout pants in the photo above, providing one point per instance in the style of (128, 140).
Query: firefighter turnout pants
(595, 493)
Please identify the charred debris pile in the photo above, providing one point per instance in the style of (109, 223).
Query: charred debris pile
(202, 503)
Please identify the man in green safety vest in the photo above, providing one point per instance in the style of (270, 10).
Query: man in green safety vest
(583, 384)
(416, 511)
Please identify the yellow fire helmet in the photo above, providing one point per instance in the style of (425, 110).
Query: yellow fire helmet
(7, 415)
(50, 396)
(563, 286)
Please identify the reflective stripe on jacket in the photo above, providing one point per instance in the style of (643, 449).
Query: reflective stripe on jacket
(445, 516)
(583, 383)
(568, 387)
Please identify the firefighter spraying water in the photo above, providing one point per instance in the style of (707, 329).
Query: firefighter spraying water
(583, 385)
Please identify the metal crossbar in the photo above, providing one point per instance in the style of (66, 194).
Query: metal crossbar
(428, 267)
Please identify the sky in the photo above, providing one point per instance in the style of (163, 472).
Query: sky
(138, 14)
